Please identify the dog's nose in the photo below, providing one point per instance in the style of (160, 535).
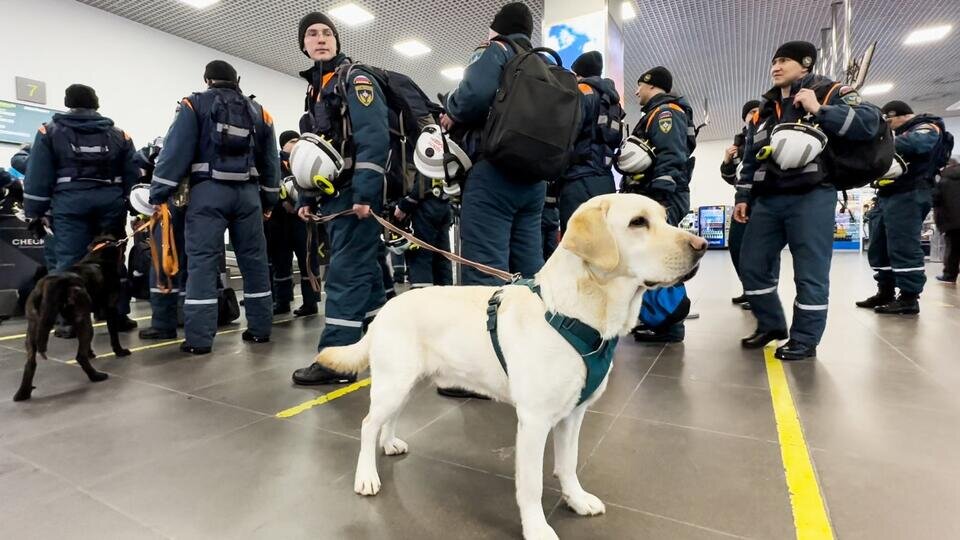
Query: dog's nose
(698, 243)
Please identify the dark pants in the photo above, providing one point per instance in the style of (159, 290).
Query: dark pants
(431, 223)
(550, 230)
(895, 252)
(805, 223)
(286, 237)
(215, 207)
(677, 205)
(383, 261)
(735, 242)
(353, 282)
(500, 224)
(164, 304)
(951, 255)
(576, 192)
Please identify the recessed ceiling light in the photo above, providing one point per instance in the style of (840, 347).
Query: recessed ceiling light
(626, 11)
(199, 4)
(351, 14)
(926, 35)
(411, 48)
(876, 89)
(454, 73)
(954, 107)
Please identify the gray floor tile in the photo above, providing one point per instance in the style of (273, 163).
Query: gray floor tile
(722, 361)
(684, 402)
(621, 523)
(75, 516)
(24, 485)
(729, 484)
(630, 364)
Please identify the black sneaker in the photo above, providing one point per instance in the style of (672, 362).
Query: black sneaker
(947, 279)
(305, 310)
(315, 374)
(906, 304)
(794, 350)
(154, 333)
(742, 299)
(126, 324)
(248, 336)
(881, 298)
(184, 347)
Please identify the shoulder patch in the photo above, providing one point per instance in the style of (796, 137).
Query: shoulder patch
(361, 79)
(585, 89)
(665, 121)
(363, 88)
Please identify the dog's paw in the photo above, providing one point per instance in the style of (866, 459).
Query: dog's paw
(541, 531)
(395, 447)
(98, 376)
(366, 483)
(585, 504)
(122, 352)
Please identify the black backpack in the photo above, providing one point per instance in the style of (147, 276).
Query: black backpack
(609, 126)
(410, 110)
(535, 116)
(854, 164)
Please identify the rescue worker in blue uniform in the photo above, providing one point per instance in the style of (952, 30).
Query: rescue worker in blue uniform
(166, 299)
(286, 238)
(667, 123)
(81, 166)
(732, 157)
(589, 174)
(224, 143)
(795, 206)
(431, 216)
(895, 252)
(500, 217)
(353, 282)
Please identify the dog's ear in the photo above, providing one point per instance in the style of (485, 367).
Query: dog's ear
(589, 237)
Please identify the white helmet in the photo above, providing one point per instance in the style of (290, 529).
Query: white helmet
(288, 189)
(897, 167)
(430, 156)
(140, 199)
(636, 156)
(315, 164)
(795, 145)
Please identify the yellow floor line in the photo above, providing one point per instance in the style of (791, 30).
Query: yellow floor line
(97, 325)
(326, 398)
(809, 512)
(162, 344)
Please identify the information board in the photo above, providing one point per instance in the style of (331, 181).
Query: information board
(19, 123)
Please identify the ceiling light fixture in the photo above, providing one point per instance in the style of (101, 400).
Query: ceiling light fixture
(454, 73)
(626, 10)
(199, 4)
(876, 89)
(411, 48)
(926, 35)
(351, 14)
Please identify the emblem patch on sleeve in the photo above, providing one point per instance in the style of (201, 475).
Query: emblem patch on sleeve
(364, 89)
(665, 121)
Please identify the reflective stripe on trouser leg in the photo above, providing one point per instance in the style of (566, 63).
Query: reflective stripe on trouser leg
(205, 223)
(810, 223)
(250, 247)
(353, 276)
(760, 260)
(904, 214)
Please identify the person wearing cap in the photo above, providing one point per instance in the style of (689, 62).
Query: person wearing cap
(795, 206)
(81, 167)
(339, 97)
(286, 238)
(667, 124)
(895, 252)
(222, 145)
(501, 216)
(590, 171)
(732, 157)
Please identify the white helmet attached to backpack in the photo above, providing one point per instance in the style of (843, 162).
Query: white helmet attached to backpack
(435, 152)
(315, 164)
(288, 190)
(897, 167)
(795, 145)
(140, 199)
(636, 156)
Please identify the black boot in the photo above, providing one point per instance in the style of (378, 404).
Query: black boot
(742, 299)
(126, 324)
(884, 295)
(281, 308)
(315, 374)
(248, 336)
(794, 350)
(155, 333)
(304, 310)
(759, 338)
(906, 304)
(195, 350)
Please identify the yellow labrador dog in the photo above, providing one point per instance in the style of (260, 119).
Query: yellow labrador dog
(616, 246)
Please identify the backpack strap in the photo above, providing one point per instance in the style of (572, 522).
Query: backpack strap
(834, 88)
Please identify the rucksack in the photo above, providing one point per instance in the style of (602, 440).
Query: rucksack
(228, 143)
(664, 307)
(87, 154)
(853, 164)
(535, 116)
(944, 150)
(609, 126)
(409, 111)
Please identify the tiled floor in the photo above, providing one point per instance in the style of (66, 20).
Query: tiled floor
(682, 445)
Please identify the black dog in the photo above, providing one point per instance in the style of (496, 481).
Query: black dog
(89, 287)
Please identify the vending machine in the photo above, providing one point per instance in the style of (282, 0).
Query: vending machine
(714, 225)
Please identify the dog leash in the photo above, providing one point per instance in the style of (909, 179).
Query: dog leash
(453, 257)
(170, 265)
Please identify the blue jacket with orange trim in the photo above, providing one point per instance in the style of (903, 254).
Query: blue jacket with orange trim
(667, 122)
(916, 142)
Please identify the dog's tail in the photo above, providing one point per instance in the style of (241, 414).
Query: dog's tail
(347, 359)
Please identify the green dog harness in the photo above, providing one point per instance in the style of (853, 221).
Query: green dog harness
(596, 353)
